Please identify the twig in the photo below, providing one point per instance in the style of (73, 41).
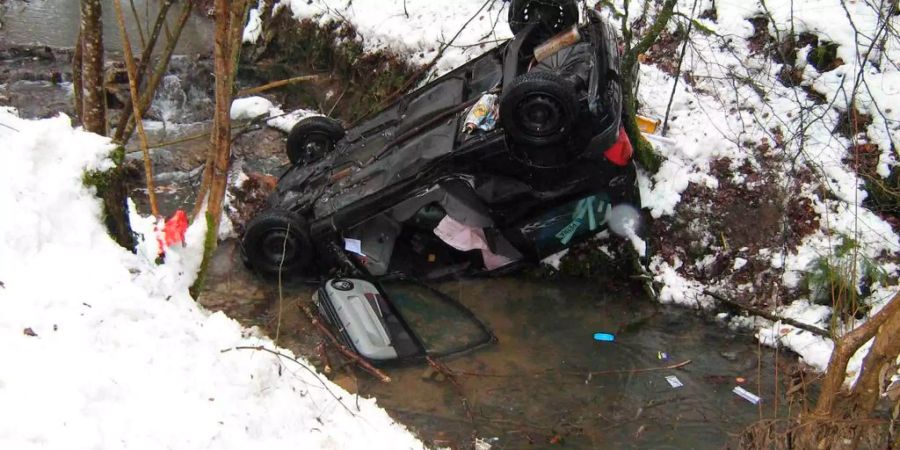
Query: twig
(276, 84)
(350, 354)
(451, 376)
(767, 315)
(687, 37)
(7, 126)
(337, 102)
(315, 375)
(580, 374)
(132, 86)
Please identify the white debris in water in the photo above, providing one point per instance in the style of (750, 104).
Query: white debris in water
(555, 259)
(248, 108)
(103, 348)
(624, 220)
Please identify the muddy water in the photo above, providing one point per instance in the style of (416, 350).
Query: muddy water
(55, 23)
(546, 381)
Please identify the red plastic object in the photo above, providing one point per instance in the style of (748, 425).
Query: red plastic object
(173, 233)
(175, 228)
(620, 152)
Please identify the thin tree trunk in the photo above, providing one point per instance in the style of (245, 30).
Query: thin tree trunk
(132, 86)
(94, 108)
(643, 150)
(77, 83)
(215, 174)
(125, 127)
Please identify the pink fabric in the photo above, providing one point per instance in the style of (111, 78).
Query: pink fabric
(463, 237)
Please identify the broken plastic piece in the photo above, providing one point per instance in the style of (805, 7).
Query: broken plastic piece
(557, 43)
(604, 337)
(746, 395)
(620, 152)
(662, 356)
(647, 124)
(674, 381)
(172, 232)
(483, 114)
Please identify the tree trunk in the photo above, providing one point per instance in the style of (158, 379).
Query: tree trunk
(881, 356)
(91, 99)
(844, 348)
(77, 84)
(94, 96)
(643, 150)
(228, 17)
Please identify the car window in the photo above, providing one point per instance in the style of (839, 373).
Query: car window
(442, 324)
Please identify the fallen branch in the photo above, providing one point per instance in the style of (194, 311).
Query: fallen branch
(447, 372)
(767, 315)
(318, 377)
(349, 354)
(276, 84)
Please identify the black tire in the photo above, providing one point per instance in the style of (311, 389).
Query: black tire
(277, 240)
(538, 108)
(552, 15)
(312, 138)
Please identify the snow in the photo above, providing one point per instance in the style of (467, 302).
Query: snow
(249, 108)
(105, 349)
(254, 27)
(429, 25)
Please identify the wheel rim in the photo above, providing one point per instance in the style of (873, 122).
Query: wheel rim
(279, 247)
(540, 115)
(315, 146)
(550, 15)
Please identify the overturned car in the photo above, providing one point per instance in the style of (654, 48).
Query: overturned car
(509, 158)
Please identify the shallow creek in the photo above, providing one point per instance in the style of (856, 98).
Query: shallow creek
(532, 387)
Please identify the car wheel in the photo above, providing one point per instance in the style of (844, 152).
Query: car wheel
(312, 138)
(554, 15)
(538, 108)
(277, 241)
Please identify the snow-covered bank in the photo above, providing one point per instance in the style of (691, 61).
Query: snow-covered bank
(417, 28)
(106, 349)
(751, 158)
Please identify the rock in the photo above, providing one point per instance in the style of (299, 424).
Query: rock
(731, 356)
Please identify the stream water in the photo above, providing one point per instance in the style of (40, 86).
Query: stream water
(546, 380)
(545, 383)
(55, 23)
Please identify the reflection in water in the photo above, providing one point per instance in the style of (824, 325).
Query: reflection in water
(546, 379)
(55, 23)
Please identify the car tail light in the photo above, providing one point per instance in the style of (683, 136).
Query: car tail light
(620, 152)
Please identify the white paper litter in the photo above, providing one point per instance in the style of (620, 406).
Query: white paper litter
(353, 246)
(746, 395)
(674, 381)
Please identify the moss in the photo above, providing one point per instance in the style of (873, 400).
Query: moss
(884, 193)
(824, 56)
(333, 48)
(111, 189)
(209, 246)
(842, 278)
